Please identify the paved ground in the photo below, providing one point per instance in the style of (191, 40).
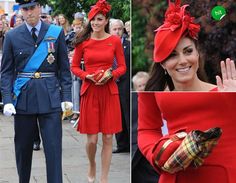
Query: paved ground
(74, 158)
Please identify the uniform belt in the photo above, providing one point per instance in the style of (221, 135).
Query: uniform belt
(36, 75)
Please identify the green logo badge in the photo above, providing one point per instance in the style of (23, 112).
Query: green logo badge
(218, 12)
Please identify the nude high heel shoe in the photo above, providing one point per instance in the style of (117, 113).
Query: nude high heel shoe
(91, 179)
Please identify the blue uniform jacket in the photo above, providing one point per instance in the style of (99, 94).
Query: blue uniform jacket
(42, 95)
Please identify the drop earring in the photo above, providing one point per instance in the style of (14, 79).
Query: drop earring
(165, 72)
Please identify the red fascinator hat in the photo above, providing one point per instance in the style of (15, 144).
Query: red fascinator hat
(100, 7)
(177, 23)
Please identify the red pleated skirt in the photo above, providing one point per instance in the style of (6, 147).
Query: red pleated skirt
(99, 111)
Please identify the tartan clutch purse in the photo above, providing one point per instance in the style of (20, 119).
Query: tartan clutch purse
(98, 75)
(195, 146)
(101, 73)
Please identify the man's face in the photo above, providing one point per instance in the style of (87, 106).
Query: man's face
(18, 21)
(77, 27)
(31, 14)
(116, 29)
(43, 17)
(140, 84)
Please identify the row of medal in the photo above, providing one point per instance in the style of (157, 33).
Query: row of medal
(51, 50)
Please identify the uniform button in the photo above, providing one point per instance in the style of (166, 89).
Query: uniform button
(36, 46)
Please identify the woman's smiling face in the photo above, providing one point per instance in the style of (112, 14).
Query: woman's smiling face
(99, 22)
(183, 63)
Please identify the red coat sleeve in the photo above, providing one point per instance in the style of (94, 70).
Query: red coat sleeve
(149, 125)
(121, 66)
(76, 62)
(151, 142)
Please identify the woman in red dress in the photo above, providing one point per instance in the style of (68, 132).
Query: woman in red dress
(100, 105)
(176, 69)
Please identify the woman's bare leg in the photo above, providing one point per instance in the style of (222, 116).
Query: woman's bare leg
(91, 148)
(106, 156)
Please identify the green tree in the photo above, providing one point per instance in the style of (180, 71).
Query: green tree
(146, 17)
(120, 9)
(139, 58)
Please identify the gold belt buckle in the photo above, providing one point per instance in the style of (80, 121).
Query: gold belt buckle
(37, 75)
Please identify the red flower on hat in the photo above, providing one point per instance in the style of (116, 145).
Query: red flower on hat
(173, 17)
(101, 6)
(193, 28)
(178, 23)
(176, 17)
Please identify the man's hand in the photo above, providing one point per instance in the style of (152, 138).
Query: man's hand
(66, 106)
(9, 109)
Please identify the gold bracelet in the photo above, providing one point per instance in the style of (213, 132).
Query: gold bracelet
(165, 145)
(177, 136)
(108, 74)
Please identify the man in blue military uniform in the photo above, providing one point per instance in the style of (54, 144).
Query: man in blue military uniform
(36, 87)
(123, 138)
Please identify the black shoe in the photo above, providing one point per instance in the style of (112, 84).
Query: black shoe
(36, 146)
(125, 150)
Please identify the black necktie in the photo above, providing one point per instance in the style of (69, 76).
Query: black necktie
(33, 34)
